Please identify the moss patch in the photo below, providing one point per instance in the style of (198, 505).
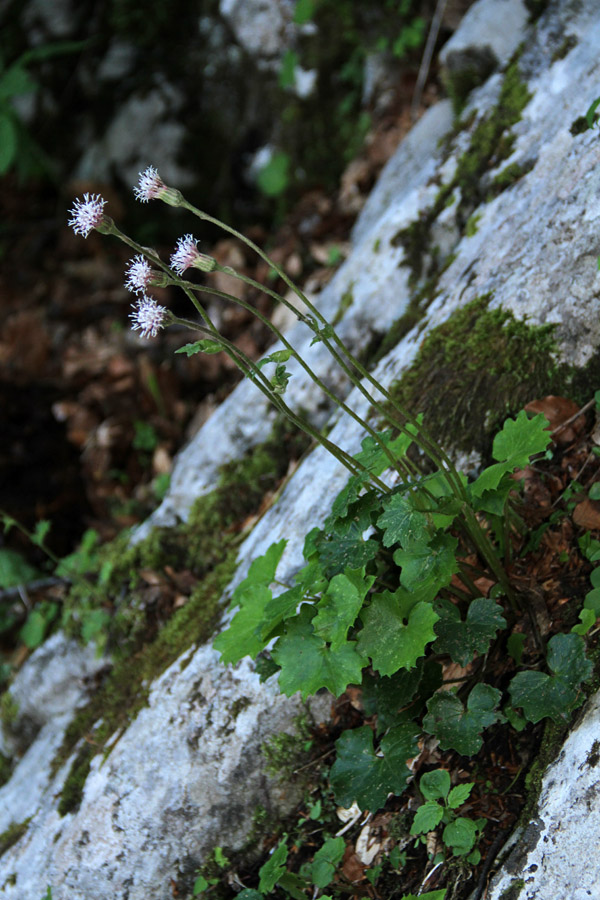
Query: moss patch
(514, 890)
(206, 549)
(12, 834)
(491, 143)
(474, 370)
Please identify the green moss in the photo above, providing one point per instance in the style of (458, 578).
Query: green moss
(578, 126)
(346, 302)
(513, 891)
(565, 48)
(474, 370)
(12, 834)
(72, 791)
(9, 709)
(284, 753)
(491, 143)
(5, 769)
(508, 176)
(550, 747)
(472, 225)
(206, 546)
(460, 83)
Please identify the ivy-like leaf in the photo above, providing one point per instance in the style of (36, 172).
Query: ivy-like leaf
(308, 663)
(359, 775)
(554, 696)
(462, 640)
(402, 523)
(345, 551)
(458, 728)
(428, 816)
(252, 594)
(513, 446)
(340, 605)
(274, 867)
(428, 565)
(397, 628)
(386, 696)
(326, 861)
(279, 356)
(278, 609)
(374, 458)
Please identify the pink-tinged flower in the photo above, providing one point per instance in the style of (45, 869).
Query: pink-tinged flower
(150, 185)
(87, 214)
(147, 317)
(187, 255)
(139, 275)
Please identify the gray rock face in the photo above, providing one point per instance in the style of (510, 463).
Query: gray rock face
(187, 773)
(488, 35)
(553, 858)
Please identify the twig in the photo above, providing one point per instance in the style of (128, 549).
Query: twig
(426, 60)
(489, 861)
(576, 415)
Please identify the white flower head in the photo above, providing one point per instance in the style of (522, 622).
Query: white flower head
(139, 275)
(150, 185)
(87, 214)
(185, 254)
(147, 317)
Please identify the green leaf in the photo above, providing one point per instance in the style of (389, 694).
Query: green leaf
(14, 569)
(252, 594)
(396, 629)
(279, 356)
(463, 640)
(340, 605)
(34, 630)
(8, 142)
(402, 523)
(588, 620)
(304, 11)
(345, 551)
(461, 835)
(287, 72)
(386, 696)
(590, 116)
(248, 894)
(594, 491)
(514, 645)
(458, 728)
(459, 794)
(279, 381)
(274, 867)
(326, 861)
(273, 179)
(203, 346)
(427, 817)
(435, 785)
(430, 566)
(592, 600)
(278, 609)
(431, 895)
(15, 81)
(554, 696)
(513, 446)
(240, 639)
(309, 664)
(359, 775)
(374, 457)
(40, 532)
(201, 884)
